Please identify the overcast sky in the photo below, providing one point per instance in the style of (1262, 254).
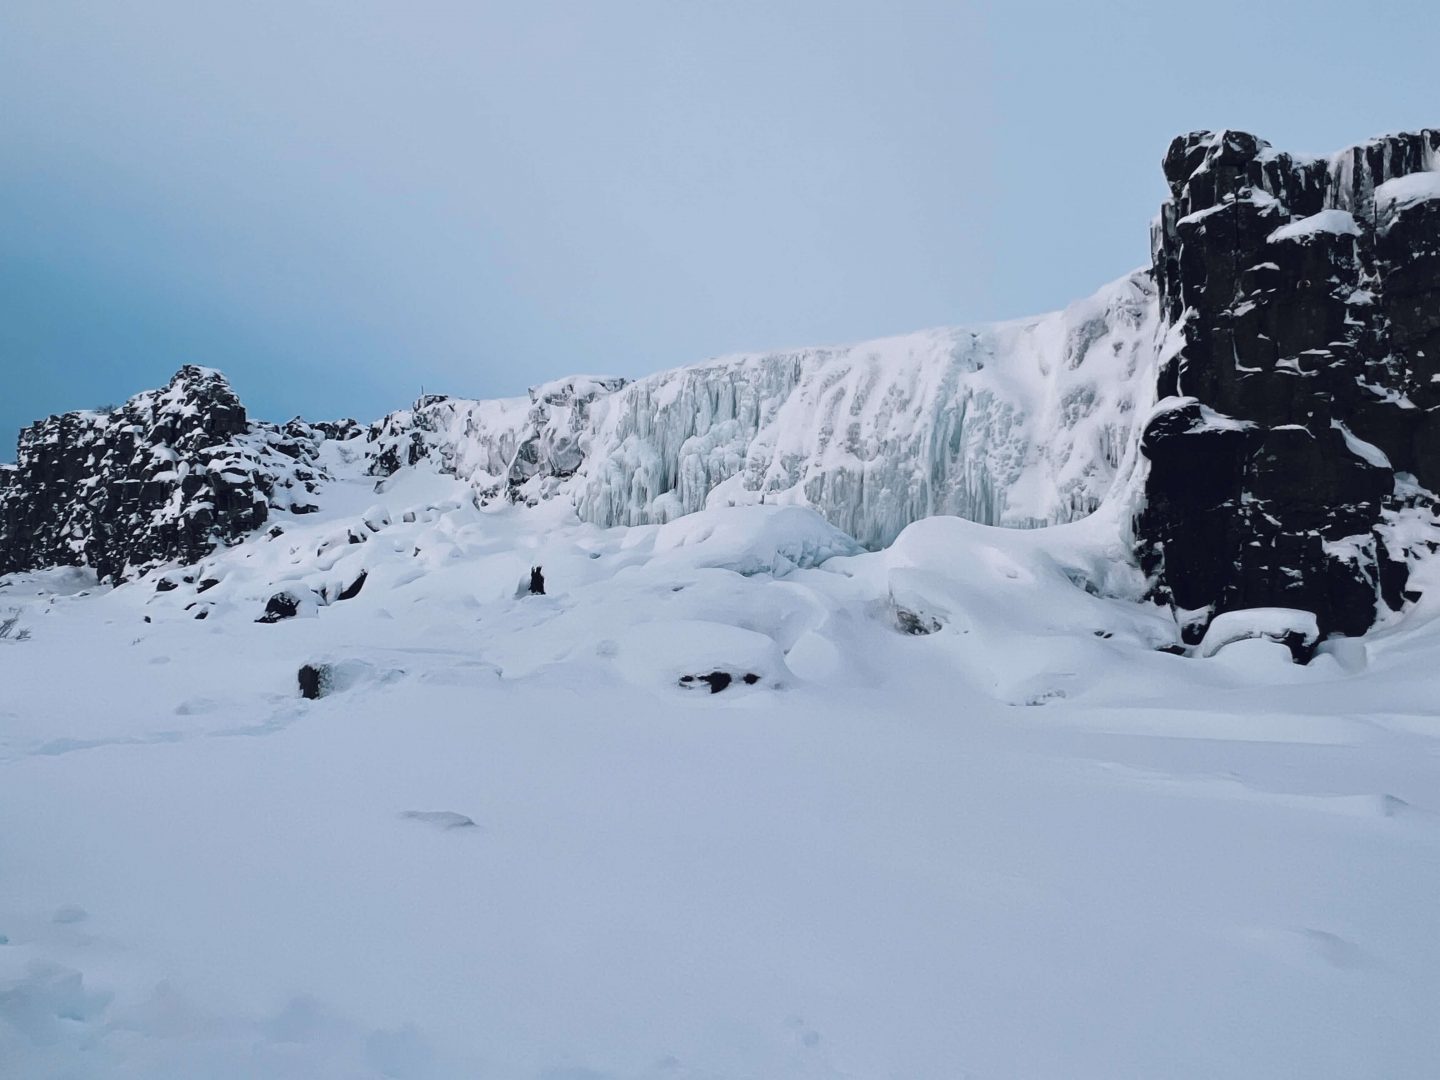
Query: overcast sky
(336, 203)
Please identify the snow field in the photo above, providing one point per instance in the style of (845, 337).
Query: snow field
(1005, 837)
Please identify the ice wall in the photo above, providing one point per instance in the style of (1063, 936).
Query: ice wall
(1021, 423)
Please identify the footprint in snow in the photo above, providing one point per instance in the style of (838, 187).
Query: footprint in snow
(1333, 949)
(443, 819)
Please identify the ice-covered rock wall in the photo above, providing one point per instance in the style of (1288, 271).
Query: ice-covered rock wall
(1297, 441)
(169, 475)
(1021, 423)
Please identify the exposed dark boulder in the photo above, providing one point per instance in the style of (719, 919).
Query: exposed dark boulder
(314, 680)
(283, 605)
(717, 680)
(353, 589)
(1296, 403)
(914, 623)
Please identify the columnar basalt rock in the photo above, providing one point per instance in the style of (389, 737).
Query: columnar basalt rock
(1299, 412)
(168, 476)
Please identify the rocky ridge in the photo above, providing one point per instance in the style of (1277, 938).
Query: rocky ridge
(167, 477)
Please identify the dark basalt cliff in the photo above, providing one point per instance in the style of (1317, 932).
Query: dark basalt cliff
(1297, 437)
(170, 475)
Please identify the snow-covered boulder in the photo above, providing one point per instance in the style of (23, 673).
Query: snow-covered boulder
(1296, 630)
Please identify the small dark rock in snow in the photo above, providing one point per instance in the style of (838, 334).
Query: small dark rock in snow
(314, 680)
(207, 585)
(353, 589)
(282, 605)
(445, 819)
(537, 582)
(717, 680)
(165, 585)
(915, 624)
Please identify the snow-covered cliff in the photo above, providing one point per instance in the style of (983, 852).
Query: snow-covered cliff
(1020, 423)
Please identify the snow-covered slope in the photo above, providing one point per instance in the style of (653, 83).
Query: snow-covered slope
(1023, 423)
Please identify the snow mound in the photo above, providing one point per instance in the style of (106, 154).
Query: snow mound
(753, 539)
(1297, 630)
(680, 654)
(1326, 222)
(1395, 196)
(1027, 616)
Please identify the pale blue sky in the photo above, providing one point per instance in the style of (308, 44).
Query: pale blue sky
(339, 202)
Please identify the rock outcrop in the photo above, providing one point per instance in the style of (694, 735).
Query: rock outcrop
(168, 476)
(1297, 435)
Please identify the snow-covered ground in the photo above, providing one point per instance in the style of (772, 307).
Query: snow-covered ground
(966, 820)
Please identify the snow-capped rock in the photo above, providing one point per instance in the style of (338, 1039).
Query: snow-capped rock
(1298, 631)
(169, 475)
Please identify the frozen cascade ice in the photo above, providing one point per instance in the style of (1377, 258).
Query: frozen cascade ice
(1020, 423)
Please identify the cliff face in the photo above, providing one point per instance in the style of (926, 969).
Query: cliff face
(1297, 434)
(169, 475)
